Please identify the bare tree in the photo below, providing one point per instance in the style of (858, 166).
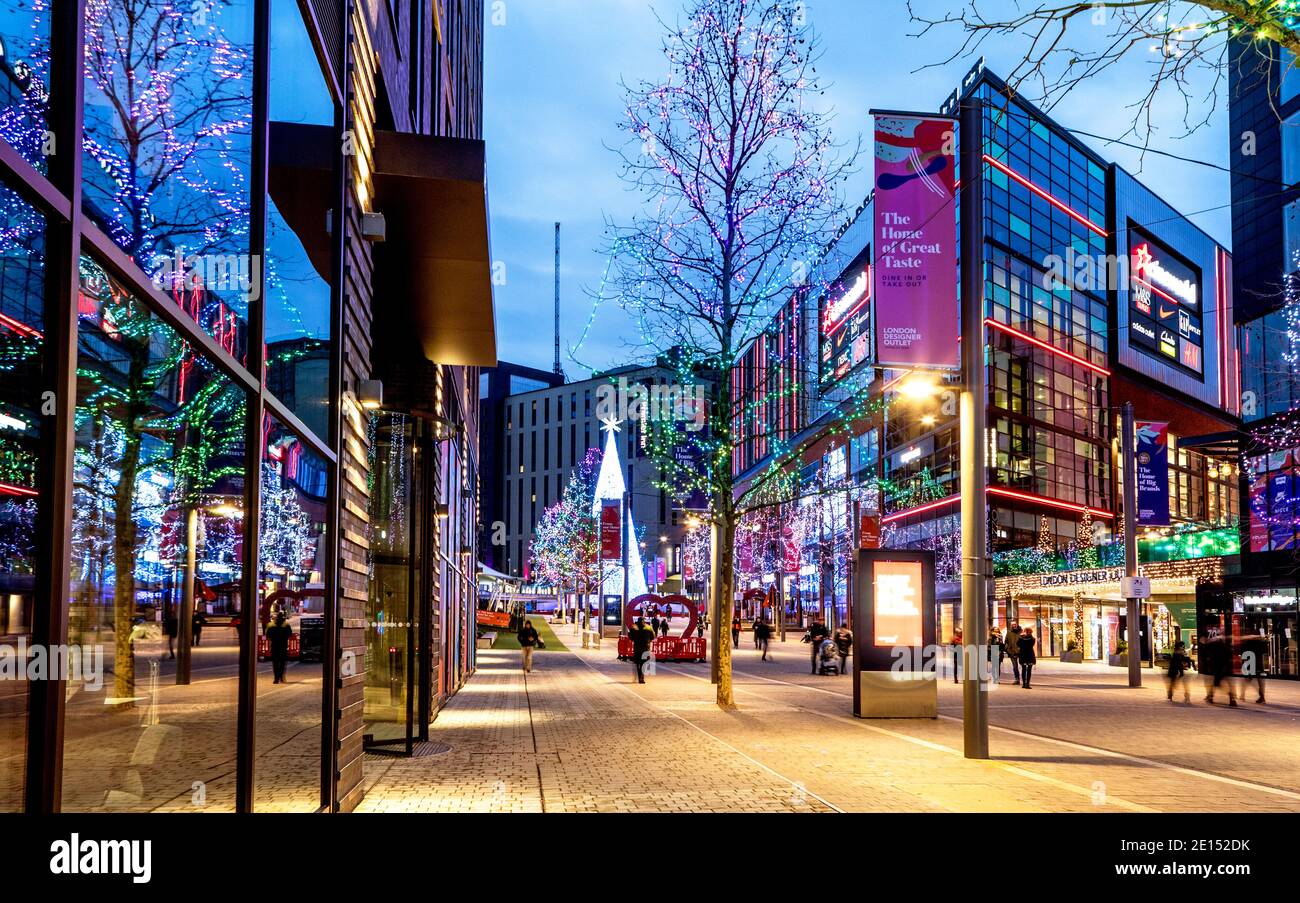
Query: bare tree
(1185, 42)
(739, 175)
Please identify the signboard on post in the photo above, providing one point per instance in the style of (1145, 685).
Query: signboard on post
(611, 532)
(870, 531)
(916, 242)
(1152, 469)
(893, 633)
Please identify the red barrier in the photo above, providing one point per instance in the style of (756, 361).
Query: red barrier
(669, 649)
(264, 647)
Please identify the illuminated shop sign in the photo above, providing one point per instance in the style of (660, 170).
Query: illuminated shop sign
(846, 321)
(1165, 305)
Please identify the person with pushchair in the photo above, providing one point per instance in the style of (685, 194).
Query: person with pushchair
(843, 644)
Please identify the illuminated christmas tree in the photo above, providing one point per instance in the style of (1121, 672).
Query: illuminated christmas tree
(611, 487)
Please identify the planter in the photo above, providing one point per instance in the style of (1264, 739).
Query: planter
(1073, 658)
(1119, 661)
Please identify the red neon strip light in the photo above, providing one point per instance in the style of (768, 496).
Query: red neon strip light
(1008, 493)
(1046, 347)
(20, 327)
(921, 510)
(7, 489)
(1054, 503)
(1064, 208)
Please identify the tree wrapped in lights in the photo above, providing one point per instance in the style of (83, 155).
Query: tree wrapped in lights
(140, 456)
(565, 549)
(168, 122)
(1063, 44)
(739, 176)
(1085, 544)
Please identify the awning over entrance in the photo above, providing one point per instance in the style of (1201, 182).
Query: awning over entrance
(433, 273)
(437, 259)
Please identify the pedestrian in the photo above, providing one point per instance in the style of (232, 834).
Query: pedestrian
(1013, 651)
(642, 638)
(817, 634)
(528, 641)
(1216, 654)
(278, 635)
(196, 627)
(170, 628)
(757, 620)
(956, 652)
(843, 643)
(664, 623)
(997, 650)
(1178, 664)
(1028, 657)
(1254, 660)
(735, 631)
(762, 634)
(654, 622)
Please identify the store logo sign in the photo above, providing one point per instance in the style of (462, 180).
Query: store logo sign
(852, 301)
(1151, 270)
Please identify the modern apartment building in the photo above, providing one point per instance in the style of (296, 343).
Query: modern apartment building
(202, 290)
(547, 432)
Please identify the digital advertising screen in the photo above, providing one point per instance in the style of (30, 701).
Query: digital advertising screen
(897, 599)
(1165, 305)
(845, 323)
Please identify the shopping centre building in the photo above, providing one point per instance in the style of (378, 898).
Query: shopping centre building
(1070, 339)
(244, 295)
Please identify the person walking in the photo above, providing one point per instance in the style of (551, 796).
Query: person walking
(170, 626)
(642, 638)
(278, 635)
(762, 635)
(1254, 658)
(843, 644)
(997, 651)
(196, 626)
(1178, 664)
(735, 631)
(817, 634)
(758, 619)
(1216, 653)
(1013, 651)
(654, 622)
(1028, 657)
(664, 623)
(528, 641)
(956, 653)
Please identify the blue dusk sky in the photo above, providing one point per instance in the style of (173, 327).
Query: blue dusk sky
(552, 103)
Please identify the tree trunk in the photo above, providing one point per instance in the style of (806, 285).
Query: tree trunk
(724, 587)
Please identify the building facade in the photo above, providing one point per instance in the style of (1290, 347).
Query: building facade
(197, 314)
(1264, 135)
(1067, 344)
(547, 433)
(495, 388)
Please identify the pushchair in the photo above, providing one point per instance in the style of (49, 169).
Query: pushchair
(828, 658)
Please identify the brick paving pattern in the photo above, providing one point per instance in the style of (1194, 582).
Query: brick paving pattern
(578, 735)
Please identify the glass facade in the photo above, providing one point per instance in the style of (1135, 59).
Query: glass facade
(167, 142)
(164, 665)
(22, 362)
(158, 499)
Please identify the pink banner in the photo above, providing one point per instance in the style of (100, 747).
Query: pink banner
(916, 242)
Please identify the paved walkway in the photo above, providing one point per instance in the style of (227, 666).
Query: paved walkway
(579, 735)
